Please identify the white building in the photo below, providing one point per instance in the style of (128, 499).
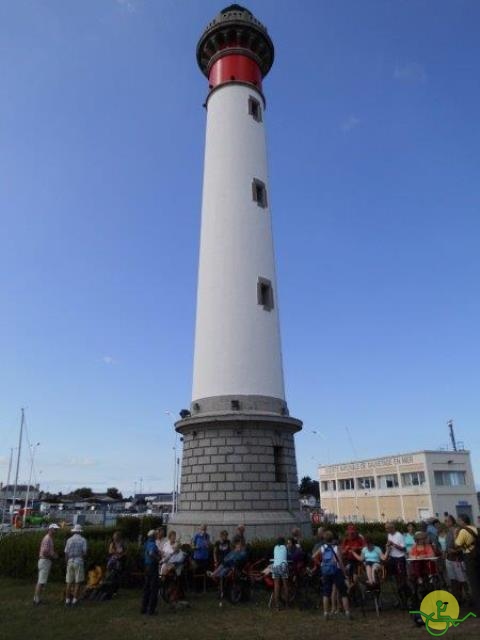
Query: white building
(410, 486)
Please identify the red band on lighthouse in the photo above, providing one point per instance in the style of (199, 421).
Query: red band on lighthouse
(235, 68)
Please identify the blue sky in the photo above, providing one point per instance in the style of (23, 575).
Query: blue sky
(374, 140)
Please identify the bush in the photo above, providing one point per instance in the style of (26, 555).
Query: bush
(133, 527)
(19, 551)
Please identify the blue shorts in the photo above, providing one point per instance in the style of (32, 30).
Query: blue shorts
(280, 571)
(337, 579)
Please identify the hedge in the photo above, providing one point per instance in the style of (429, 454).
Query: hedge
(19, 551)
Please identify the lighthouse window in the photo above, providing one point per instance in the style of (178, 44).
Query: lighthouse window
(259, 192)
(265, 294)
(254, 109)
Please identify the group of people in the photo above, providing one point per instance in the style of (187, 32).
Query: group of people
(451, 548)
(164, 555)
(75, 551)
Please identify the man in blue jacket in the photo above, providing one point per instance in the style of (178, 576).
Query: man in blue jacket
(151, 558)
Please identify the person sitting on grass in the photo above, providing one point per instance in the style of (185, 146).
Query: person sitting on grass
(280, 572)
(94, 579)
(372, 557)
(233, 559)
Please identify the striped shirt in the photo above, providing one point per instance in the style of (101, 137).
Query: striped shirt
(46, 548)
(76, 547)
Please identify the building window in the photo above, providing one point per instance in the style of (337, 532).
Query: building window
(450, 478)
(366, 483)
(328, 485)
(346, 484)
(265, 294)
(279, 463)
(388, 482)
(255, 109)
(414, 479)
(259, 193)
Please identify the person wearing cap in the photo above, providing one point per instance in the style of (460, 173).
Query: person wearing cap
(151, 559)
(46, 555)
(75, 552)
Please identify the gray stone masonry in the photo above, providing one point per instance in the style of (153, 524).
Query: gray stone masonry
(239, 470)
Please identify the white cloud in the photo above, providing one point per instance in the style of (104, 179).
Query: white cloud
(109, 360)
(412, 72)
(349, 123)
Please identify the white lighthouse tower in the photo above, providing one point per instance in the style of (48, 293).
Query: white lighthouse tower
(239, 456)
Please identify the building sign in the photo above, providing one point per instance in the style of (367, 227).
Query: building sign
(365, 465)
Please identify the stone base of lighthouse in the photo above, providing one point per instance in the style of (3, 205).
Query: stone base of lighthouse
(239, 468)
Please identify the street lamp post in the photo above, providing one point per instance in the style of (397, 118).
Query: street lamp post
(5, 502)
(175, 467)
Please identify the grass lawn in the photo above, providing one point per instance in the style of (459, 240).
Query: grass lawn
(119, 619)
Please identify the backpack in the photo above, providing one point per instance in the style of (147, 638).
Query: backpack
(329, 564)
(475, 552)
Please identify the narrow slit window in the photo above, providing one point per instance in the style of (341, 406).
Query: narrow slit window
(279, 464)
(265, 294)
(255, 109)
(259, 192)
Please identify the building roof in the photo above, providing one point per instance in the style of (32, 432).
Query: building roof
(153, 496)
(397, 455)
(20, 488)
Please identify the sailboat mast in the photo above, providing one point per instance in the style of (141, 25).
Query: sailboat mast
(5, 502)
(20, 438)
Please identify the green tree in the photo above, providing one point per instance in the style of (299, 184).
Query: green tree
(83, 492)
(113, 492)
(309, 487)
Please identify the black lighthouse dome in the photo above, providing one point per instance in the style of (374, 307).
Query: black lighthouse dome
(235, 30)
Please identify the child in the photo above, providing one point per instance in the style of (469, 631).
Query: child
(371, 556)
(94, 579)
(280, 572)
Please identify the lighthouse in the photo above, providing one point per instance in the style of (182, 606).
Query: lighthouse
(238, 462)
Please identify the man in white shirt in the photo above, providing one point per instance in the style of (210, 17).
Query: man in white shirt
(75, 552)
(396, 556)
